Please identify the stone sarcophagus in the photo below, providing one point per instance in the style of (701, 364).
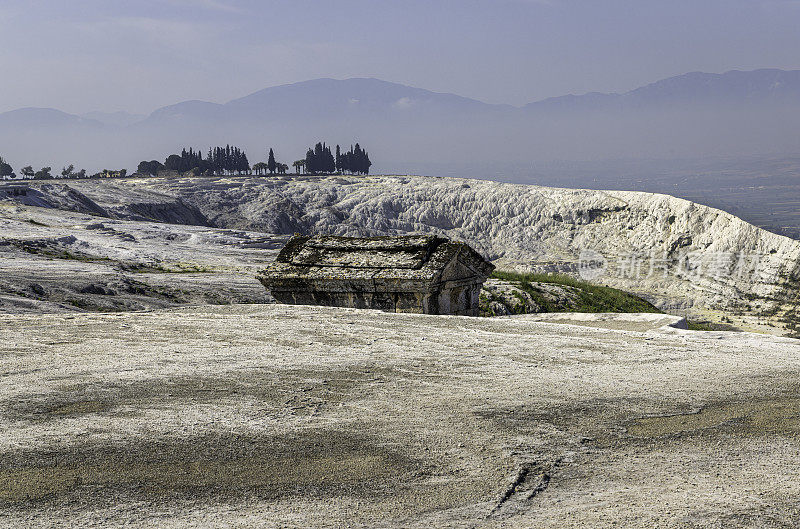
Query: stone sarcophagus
(416, 273)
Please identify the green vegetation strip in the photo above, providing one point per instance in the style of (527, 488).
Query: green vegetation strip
(590, 298)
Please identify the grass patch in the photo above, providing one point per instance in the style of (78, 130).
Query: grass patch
(588, 297)
(176, 268)
(89, 306)
(222, 467)
(76, 257)
(45, 251)
(69, 256)
(778, 416)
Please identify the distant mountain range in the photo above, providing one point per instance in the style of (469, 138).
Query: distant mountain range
(688, 115)
(734, 87)
(325, 99)
(120, 119)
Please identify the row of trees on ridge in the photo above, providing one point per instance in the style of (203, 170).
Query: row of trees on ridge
(228, 160)
(321, 160)
(220, 160)
(28, 172)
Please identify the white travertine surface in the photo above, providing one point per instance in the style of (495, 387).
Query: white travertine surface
(287, 416)
(687, 258)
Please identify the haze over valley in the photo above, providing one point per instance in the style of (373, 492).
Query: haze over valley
(690, 116)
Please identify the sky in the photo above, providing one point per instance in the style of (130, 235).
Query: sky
(136, 56)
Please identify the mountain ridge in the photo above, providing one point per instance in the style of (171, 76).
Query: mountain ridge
(765, 80)
(704, 79)
(693, 115)
(326, 98)
(46, 116)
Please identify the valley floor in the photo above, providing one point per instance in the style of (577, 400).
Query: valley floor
(283, 416)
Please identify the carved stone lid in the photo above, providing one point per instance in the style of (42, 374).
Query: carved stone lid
(407, 252)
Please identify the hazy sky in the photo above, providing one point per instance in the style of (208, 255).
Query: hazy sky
(138, 55)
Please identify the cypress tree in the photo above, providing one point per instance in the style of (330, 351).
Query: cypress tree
(317, 156)
(310, 166)
(330, 162)
(245, 163)
(367, 163)
(271, 165)
(351, 163)
(358, 159)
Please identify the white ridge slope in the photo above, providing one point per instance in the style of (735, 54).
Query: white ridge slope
(689, 256)
(682, 256)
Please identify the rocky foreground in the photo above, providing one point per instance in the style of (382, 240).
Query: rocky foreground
(281, 416)
(683, 257)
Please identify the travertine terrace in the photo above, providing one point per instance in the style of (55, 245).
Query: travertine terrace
(291, 416)
(120, 408)
(684, 257)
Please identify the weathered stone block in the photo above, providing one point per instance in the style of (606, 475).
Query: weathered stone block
(416, 274)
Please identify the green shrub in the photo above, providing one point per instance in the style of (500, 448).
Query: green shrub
(589, 297)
